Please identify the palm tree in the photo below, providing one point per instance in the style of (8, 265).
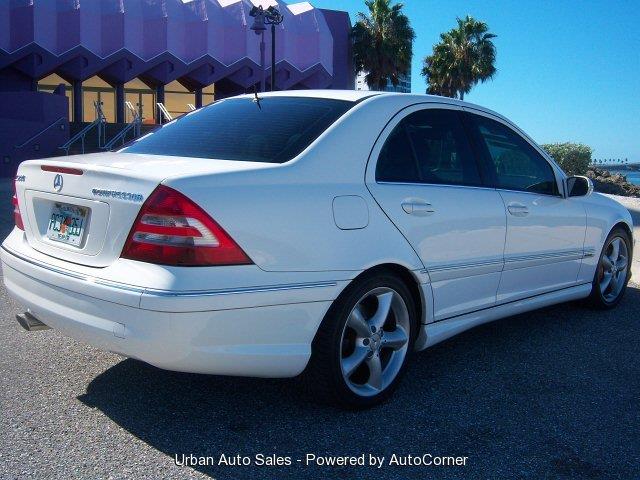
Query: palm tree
(383, 43)
(464, 56)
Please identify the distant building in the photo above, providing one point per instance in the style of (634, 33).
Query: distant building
(58, 57)
(404, 86)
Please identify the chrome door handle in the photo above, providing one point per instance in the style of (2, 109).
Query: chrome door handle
(417, 208)
(518, 209)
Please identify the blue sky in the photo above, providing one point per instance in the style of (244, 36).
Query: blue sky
(567, 70)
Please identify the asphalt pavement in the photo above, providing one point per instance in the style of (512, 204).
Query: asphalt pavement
(549, 394)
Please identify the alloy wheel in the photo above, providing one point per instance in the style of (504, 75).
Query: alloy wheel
(374, 341)
(613, 269)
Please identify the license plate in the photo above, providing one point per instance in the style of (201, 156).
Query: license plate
(67, 223)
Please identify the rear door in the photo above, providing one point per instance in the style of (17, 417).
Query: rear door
(423, 174)
(545, 231)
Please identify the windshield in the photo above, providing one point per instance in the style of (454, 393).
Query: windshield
(271, 130)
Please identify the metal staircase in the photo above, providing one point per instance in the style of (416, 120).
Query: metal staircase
(132, 128)
(60, 123)
(98, 124)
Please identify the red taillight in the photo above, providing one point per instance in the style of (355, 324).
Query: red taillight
(17, 216)
(172, 230)
(67, 170)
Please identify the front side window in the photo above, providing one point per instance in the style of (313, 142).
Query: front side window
(514, 163)
(428, 146)
(272, 130)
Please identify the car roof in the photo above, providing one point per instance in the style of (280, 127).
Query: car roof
(348, 95)
(359, 95)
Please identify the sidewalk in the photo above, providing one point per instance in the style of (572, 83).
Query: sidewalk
(633, 205)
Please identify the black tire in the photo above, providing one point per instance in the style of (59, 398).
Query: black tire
(597, 299)
(323, 376)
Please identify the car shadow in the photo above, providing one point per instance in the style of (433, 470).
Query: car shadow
(543, 394)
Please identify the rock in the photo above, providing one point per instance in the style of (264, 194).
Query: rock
(616, 184)
(617, 178)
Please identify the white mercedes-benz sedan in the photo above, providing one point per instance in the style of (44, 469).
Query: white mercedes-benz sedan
(328, 233)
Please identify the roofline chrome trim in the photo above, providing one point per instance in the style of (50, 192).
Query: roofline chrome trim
(169, 293)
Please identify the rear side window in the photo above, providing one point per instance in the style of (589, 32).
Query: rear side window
(514, 163)
(272, 130)
(428, 146)
(397, 162)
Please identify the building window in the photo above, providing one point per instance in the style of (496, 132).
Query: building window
(142, 98)
(95, 89)
(177, 98)
(50, 83)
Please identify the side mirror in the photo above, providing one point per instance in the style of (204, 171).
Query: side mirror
(579, 186)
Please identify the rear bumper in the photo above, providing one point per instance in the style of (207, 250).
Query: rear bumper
(258, 331)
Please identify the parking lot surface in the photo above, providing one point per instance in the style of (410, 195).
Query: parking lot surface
(549, 394)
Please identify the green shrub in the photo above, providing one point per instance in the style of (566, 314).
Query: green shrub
(573, 158)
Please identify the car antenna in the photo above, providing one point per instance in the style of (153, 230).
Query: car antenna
(256, 98)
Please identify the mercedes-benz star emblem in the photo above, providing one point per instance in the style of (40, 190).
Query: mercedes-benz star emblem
(57, 183)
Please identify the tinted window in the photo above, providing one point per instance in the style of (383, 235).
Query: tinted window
(396, 162)
(273, 130)
(428, 146)
(515, 164)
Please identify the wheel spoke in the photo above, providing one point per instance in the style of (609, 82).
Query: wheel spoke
(614, 284)
(606, 280)
(395, 339)
(615, 250)
(353, 361)
(621, 264)
(375, 372)
(358, 323)
(608, 264)
(384, 305)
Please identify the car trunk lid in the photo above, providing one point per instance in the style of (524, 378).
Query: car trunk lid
(80, 209)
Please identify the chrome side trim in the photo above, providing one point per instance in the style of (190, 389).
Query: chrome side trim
(235, 291)
(536, 256)
(452, 271)
(439, 273)
(168, 293)
(524, 261)
(439, 268)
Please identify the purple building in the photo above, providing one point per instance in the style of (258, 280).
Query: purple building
(58, 57)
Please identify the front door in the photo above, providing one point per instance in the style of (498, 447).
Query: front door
(545, 231)
(424, 175)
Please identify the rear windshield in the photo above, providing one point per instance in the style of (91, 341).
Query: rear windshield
(271, 130)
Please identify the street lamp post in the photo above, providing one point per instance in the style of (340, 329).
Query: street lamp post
(263, 81)
(270, 16)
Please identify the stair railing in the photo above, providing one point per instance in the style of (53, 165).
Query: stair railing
(164, 112)
(134, 125)
(98, 123)
(135, 117)
(59, 121)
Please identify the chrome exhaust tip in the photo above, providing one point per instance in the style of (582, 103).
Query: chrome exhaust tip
(30, 323)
